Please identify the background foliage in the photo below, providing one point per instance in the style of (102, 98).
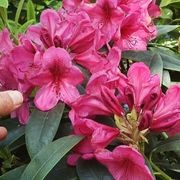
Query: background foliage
(38, 151)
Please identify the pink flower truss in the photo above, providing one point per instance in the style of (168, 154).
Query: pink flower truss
(135, 105)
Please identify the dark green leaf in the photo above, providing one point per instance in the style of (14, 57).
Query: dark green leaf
(171, 144)
(15, 131)
(140, 56)
(63, 170)
(172, 167)
(164, 29)
(42, 128)
(48, 157)
(14, 174)
(31, 14)
(156, 65)
(92, 170)
(171, 60)
(4, 3)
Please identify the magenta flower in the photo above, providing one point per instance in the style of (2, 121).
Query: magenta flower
(97, 136)
(57, 79)
(142, 89)
(106, 16)
(124, 162)
(6, 45)
(166, 115)
(10, 82)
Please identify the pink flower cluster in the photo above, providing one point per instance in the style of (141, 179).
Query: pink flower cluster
(119, 111)
(48, 63)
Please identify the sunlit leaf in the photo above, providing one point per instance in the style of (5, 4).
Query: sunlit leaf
(168, 2)
(4, 3)
(31, 14)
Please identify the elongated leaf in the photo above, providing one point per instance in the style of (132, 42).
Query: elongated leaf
(62, 171)
(4, 3)
(140, 56)
(170, 60)
(156, 65)
(31, 14)
(166, 78)
(171, 144)
(14, 174)
(172, 167)
(14, 132)
(18, 12)
(92, 169)
(164, 29)
(24, 27)
(167, 2)
(42, 128)
(48, 157)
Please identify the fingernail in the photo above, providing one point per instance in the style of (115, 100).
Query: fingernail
(16, 97)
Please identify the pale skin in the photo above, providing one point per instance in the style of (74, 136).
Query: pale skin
(9, 101)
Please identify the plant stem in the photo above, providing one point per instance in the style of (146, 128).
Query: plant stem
(163, 174)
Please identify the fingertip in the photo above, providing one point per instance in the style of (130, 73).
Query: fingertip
(3, 133)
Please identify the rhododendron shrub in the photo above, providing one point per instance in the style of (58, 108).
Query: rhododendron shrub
(71, 64)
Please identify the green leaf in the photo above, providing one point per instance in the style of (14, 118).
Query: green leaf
(14, 132)
(48, 157)
(166, 13)
(164, 29)
(14, 174)
(172, 167)
(171, 144)
(92, 169)
(42, 128)
(31, 14)
(24, 27)
(18, 12)
(166, 79)
(63, 170)
(140, 56)
(156, 65)
(171, 60)
(168, 2)
(4, 3)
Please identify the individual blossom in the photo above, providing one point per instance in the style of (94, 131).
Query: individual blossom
(166, 116)
(56, 79)
(106, 16)
(97, 136)
(124, 162)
